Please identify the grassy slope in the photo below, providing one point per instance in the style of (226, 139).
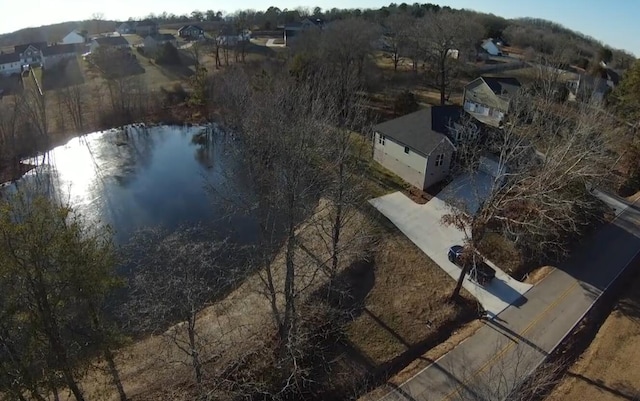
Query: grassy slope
(608, 369)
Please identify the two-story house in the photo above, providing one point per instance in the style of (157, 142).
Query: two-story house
(192, 32)
(488, 98)
(417, 147)
(30, 53)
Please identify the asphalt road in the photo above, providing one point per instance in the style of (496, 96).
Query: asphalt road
(490, 363)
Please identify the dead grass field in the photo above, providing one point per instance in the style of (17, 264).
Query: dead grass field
(407, 304)
(608, 369)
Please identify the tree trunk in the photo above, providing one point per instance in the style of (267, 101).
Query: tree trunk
(337, 223)
(195, 356)
(115, 375)
(106, 352)
(289, 285)
(443, 79)
(52, 332)
(463, 272)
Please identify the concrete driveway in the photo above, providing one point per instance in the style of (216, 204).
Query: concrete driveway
(421, 224)
(272, 43)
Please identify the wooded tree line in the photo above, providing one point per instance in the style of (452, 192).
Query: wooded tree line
(542, 36)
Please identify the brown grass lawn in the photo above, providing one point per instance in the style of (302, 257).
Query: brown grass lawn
(407, 304)
(608, 369)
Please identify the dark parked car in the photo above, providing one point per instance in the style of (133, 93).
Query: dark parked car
(482, 272)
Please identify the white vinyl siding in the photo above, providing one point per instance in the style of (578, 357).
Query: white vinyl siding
(438, 164)
(410, 167)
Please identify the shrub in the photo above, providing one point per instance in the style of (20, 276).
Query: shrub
(168, 55)
(405, 103)
(501, 251)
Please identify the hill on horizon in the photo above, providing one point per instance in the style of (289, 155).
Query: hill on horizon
(55, 32)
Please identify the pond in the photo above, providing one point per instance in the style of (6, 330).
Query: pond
(139, 176)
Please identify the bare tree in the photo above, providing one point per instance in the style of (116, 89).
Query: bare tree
(176, 275)
(448, 37)
(399, 31)
(530, 180)
(9, 128)
(33, 103)
(73, 98)
(345, 49)
(98, 17)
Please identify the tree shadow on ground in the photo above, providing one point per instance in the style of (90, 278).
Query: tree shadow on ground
(352, 371)
(10, 85)
(621, 390)
(66, 73)
(120, 65)
(176, 71)
(630, 307)
(252, 48)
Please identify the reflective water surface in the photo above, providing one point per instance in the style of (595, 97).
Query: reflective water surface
(139, 177)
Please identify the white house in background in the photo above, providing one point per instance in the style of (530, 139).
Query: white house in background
(53, 55)
(10, 64)
(491, 47)
(416, 146)
(74, 37)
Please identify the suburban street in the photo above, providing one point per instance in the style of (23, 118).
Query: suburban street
(515, 341)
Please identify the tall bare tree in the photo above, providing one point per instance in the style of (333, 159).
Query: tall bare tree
(34, 105)
(73, 99)
(398, 29)
(10, 123)
(530, 180)
(176, 275)
(447, 39)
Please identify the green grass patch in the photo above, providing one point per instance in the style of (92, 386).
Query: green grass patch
(379, 180)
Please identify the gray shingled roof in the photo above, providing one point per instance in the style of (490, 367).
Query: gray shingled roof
(112, 41)
(9, 58)
(422, 130)
(59, 49)
(163, 37)
(22, 48)
(503, 85)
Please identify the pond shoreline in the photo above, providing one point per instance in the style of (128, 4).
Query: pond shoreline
(179, 115)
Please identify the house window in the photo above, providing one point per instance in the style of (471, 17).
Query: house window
(406, 149)
(439, 160)
(381, 139)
